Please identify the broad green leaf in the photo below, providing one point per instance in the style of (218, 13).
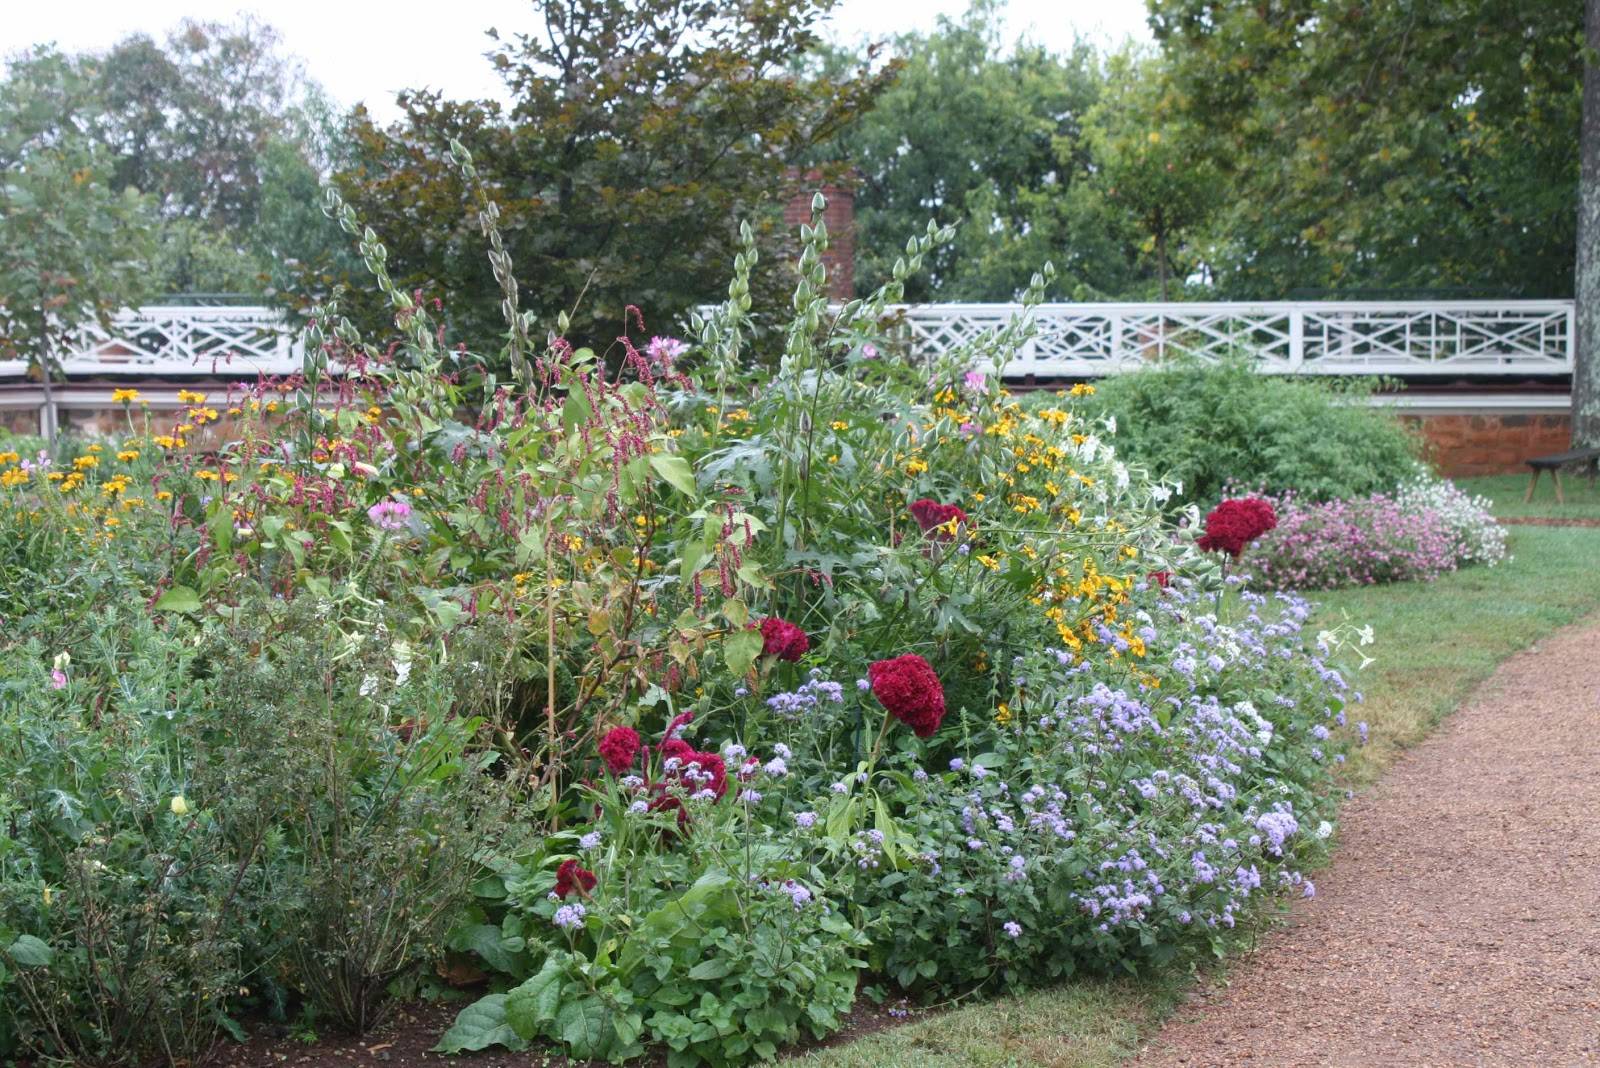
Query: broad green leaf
(533, 1004)
(479, 1026)
(740, 649)
(179, 599)
(676, 470)
(30, 952)
(715, 968)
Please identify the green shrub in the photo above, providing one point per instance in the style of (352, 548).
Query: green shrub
(1206, 425)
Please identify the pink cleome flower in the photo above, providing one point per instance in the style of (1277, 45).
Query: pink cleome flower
(390, 515)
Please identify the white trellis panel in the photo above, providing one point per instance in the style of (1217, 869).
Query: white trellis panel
(1346, 338)
(230, 342)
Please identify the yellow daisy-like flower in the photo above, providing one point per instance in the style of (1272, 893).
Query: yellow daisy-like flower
(1002, 715)
(124, 396)
(83, 463)
(189, 396)
(916, 467)
(127, 456)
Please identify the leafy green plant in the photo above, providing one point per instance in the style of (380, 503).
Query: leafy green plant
(1203, 426)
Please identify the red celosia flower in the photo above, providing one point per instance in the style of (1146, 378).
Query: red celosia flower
(783, 639)
(1163, 579)
(908, 687)
(931, 516)
(680, 721)
(570, 877)
(618, 748)
(1235, 523)
(710, 764)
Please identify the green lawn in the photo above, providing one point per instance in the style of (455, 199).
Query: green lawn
(1435, 642)
(1507, 491)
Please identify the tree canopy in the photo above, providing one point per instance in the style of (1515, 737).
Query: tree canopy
(77, 247)
(640, 134)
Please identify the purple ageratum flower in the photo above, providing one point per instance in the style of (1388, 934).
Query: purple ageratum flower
(800, 895)
(956, 763)
(1012, 928)
(589, 841)
(390, 515)
(569, 916)
(805, 820)
(1310, 889)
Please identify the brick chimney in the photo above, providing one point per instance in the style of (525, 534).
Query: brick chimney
(840, 216)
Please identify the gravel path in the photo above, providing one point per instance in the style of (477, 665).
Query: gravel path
(1459, 923)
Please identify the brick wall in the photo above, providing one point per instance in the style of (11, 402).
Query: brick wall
(840, 217)
(1490, 443)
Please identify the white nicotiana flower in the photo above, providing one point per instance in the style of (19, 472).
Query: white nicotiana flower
(1326, 638)
(1324, 829)
(369, 686)
(1119, 473)
(1247, 711)
(1365, 634)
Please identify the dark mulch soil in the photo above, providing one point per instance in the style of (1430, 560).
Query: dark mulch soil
(405, 1040)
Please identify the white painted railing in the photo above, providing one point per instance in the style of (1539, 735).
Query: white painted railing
(1347, 338)
(228, 342)
(1525, 337)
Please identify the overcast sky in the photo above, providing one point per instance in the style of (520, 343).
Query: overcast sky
(365, 50)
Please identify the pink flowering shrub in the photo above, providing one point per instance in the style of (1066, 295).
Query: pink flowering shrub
(1405, 536)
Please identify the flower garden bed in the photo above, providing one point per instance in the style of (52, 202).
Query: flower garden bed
(677, 708)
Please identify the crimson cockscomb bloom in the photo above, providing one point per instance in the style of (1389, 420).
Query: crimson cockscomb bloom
(619, 746)
(783, 639)
(932, 516)
(570, 876)
(909, 688)
(1235, 523)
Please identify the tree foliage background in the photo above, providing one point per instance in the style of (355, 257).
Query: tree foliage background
(640, 134)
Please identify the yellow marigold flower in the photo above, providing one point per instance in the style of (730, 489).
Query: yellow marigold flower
(374, 414)
(15, 476)
(989, 562)
(124, 396)
(166, 441)
(55, 476)
(208, 476)
(83, 463)
(95, 448)
(235, 411)
(916, 467)
(129, 503)
(112, 521)
(840, 424)
(189, 396)
(1083, 389)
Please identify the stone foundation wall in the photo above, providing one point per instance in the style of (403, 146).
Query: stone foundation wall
(1489, 443)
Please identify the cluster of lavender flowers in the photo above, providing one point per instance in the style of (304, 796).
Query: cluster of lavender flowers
(1423, 530)
(1115, 821)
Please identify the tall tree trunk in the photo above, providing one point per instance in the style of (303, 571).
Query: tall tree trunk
(1586, 284)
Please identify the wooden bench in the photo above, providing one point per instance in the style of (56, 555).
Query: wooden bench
(1555, 462)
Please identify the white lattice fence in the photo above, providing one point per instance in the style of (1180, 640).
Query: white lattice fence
(1400, 338)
